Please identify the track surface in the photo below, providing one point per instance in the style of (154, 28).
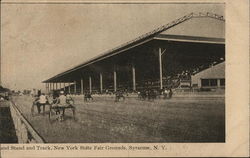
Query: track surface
(180, 119)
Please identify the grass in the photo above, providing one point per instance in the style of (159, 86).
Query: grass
(182, 119)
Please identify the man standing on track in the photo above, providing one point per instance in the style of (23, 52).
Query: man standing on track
(42, 102)
(62, 102)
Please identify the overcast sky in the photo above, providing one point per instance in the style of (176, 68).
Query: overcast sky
(39, 41)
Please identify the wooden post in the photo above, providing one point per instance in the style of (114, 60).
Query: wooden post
(48, 87)
(133, 74)
(60, 85)
(64, 86)
(56, 85)
(53, 84)
(51, 88)
(160, 66)
(101, 83)
(90, 84)
(75, 87)
(81, 85)
(115, 88)
(69, 87)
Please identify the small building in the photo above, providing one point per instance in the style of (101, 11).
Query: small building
(212, 77)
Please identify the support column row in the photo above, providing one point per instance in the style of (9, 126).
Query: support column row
(53, 86)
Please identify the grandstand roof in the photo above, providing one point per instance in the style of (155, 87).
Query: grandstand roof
(209, 30)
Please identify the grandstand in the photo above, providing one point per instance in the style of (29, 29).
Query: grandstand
(173, 55)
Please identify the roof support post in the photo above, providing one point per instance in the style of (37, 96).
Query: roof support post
(56, 85)
(81, 85)
(75, 87)
(133, 75)
(53, 86)
(101, 83)
(64, 86)
(90, 84)
(48, 87)
(45, 84)
(115, 88)
(69, 87)
(60, 85)
(160, 68)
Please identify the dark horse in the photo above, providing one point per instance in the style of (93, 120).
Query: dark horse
(142, 95)
(149, 94)
(87, 96)
(152, 94)
(118, 96)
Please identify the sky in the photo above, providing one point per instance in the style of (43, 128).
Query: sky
(39, 41)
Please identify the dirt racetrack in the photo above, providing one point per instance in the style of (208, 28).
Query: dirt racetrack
(180, 119)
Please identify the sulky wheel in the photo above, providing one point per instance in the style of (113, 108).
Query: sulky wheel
(50, 114)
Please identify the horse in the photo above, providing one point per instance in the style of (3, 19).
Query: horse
(168, 93)
(142, 95)
(149, 94)
(118, 96)
(87, 96)
(152, 94)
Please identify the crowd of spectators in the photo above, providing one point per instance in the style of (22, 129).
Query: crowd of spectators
(185, 75)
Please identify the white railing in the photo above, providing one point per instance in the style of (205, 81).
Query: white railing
(24, 130)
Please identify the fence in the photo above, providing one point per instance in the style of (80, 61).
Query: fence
(24, 130)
